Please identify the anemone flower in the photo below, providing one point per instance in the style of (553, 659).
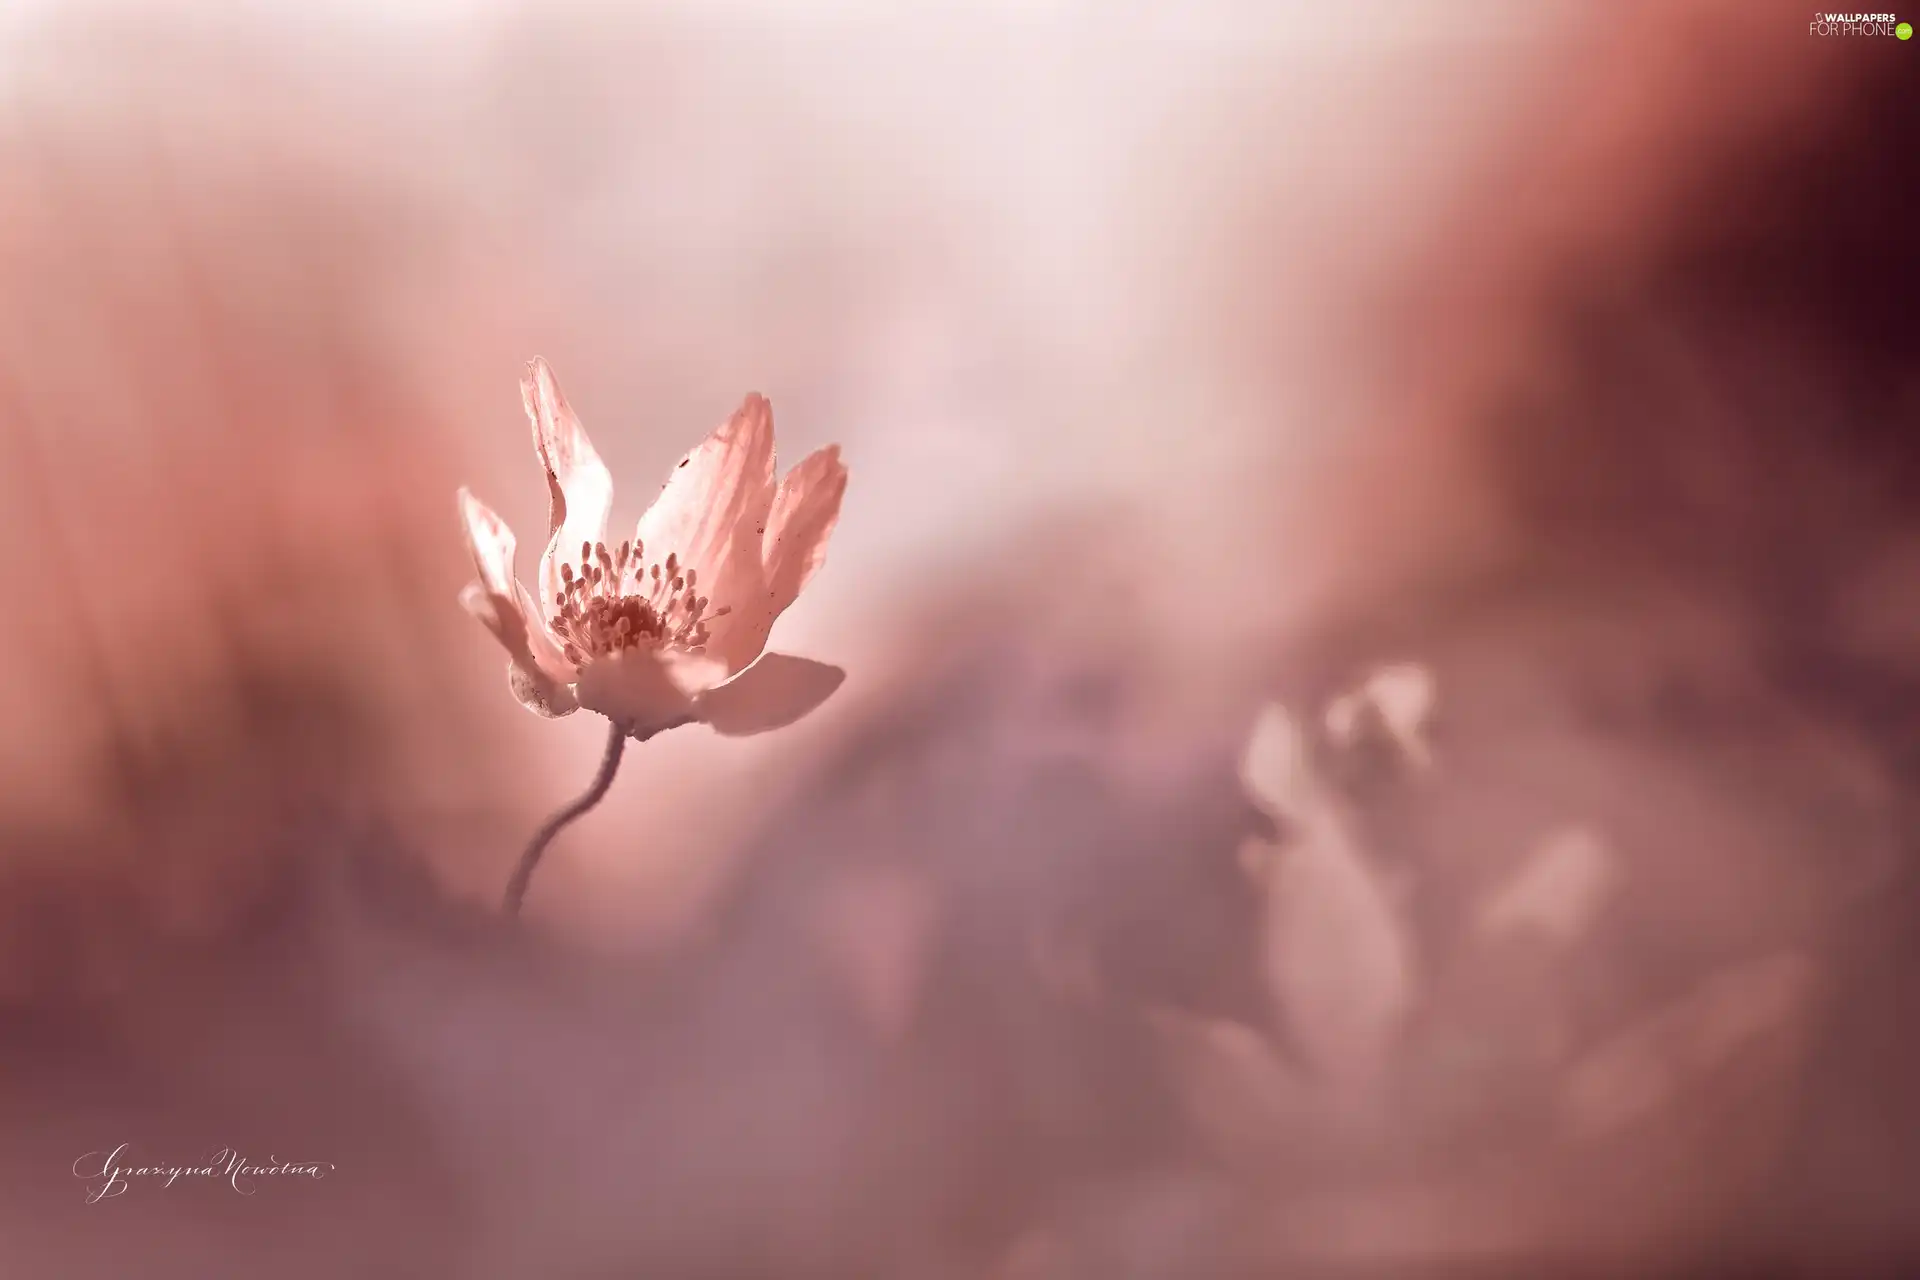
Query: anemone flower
(1397, 701)
(669, 627)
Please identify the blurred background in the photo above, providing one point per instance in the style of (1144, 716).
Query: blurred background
(1380, 588)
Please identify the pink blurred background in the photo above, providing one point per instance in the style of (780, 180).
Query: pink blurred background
(1186, 366)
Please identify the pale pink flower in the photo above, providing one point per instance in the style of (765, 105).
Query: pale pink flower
(1335, 950)
(668, 627)
(1397, 700)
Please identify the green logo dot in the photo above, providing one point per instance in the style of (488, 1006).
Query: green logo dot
(1904, 31)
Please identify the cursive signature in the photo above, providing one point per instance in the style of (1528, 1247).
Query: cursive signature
(107, 1176)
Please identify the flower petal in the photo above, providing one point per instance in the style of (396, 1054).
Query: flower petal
(546, 648)
(1274, 767)
(579, 487)
(1556, 892)
(491, 542)
(1396, 700)
(693, 673)
(712, 511)
(543, 698)
(804, 511)
(493, 547)
(1337, 959)
(772, 693)
(537, 690)
(632, 688)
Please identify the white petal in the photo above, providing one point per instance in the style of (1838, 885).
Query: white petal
(771, 694)
(536, 688)
(491, 542)
(1336, 955)
(634, 689)
(805, 509)
(1274, 768)
(692, 673)
(1556, 892)
(493, 547)
(712, 512)
(546, 648)
(543, 698)
(579, 487)
(1399, 699)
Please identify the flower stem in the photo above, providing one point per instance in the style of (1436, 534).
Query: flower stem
(609, 763)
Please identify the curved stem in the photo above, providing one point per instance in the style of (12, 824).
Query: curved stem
(609, 763)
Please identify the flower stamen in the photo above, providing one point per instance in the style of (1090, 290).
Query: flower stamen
(596, 618)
